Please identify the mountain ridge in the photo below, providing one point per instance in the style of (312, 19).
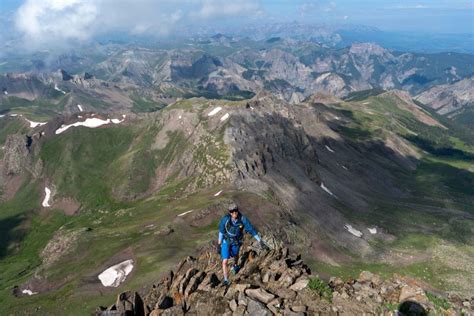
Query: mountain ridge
(276, 282)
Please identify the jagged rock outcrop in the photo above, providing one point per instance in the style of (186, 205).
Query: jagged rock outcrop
(16, 154)
(274, 282)
(452, 99)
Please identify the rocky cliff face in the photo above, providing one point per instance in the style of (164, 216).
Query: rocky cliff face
(17, 156)
(276, 282)
(455, 100)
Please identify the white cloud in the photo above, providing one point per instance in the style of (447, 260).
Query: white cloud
(53, 21)
(415, 6)
(317, 7)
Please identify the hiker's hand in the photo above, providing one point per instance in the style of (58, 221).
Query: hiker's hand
(263, 245)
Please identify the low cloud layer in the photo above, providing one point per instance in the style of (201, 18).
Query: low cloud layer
(52, 21)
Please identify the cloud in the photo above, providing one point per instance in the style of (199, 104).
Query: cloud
(415, 6)
(218, 8)
(43, 22)
(317, 7)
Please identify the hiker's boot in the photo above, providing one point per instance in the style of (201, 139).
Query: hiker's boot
(235, 269)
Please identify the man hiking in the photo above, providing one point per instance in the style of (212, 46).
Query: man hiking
(231, 233)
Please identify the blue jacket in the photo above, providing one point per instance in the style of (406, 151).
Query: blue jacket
(229, 229)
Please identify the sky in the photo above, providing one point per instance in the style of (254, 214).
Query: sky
(45, 22)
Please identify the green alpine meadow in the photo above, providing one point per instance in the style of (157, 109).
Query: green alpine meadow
(253, 158)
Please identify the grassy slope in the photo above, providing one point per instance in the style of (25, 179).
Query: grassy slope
(89, 163)
(111, 232)
(40, 110)
(443, 181)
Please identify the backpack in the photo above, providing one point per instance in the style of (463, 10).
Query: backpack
(234, 232)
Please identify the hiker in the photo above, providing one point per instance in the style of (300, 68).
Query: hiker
(231, 233)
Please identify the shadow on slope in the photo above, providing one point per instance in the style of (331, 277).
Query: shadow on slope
(10, 232)
(327, 183)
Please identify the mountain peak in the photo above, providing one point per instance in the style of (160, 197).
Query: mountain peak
(368, 49)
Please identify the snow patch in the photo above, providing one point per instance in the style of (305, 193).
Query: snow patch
(57, 89)
(344, 167)
(116, 274)
(117, 121)
(34, 124)
(90, 122)
(353, 231)
(80, 108)
(215, 111)
(365, 103)
(45, 203)
(180, 117)
(329, 148)
(13, 115)
(327, 190)
(182, 214)
(29, 292)
(373, 231)
(225, 117)
(218, 193)
(5, 92)
(2, 115)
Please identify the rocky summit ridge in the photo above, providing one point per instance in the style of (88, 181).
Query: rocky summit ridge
(278, 282)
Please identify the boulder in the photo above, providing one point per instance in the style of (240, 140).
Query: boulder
(412, 293)
(285, 293)
(300, 284)
(242, 299)
(260, 294)
(275, 305)
(194, 283)
(209, 282)
(299, 308)
(185, 281)
(257, 308)
(240, 311)
(369, 277)
(173, 311)
(128, 302)
(233, 305)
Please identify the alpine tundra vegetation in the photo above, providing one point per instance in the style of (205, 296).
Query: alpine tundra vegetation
(348, 144)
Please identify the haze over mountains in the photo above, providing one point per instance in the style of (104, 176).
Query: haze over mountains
(122, 155)
(226, 67)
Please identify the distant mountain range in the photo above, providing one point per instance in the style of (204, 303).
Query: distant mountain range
(120, 76)
(342, 35)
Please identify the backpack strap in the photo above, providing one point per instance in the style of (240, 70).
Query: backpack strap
(233, 233)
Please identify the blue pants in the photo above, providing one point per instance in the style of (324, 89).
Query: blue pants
(229, 250)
